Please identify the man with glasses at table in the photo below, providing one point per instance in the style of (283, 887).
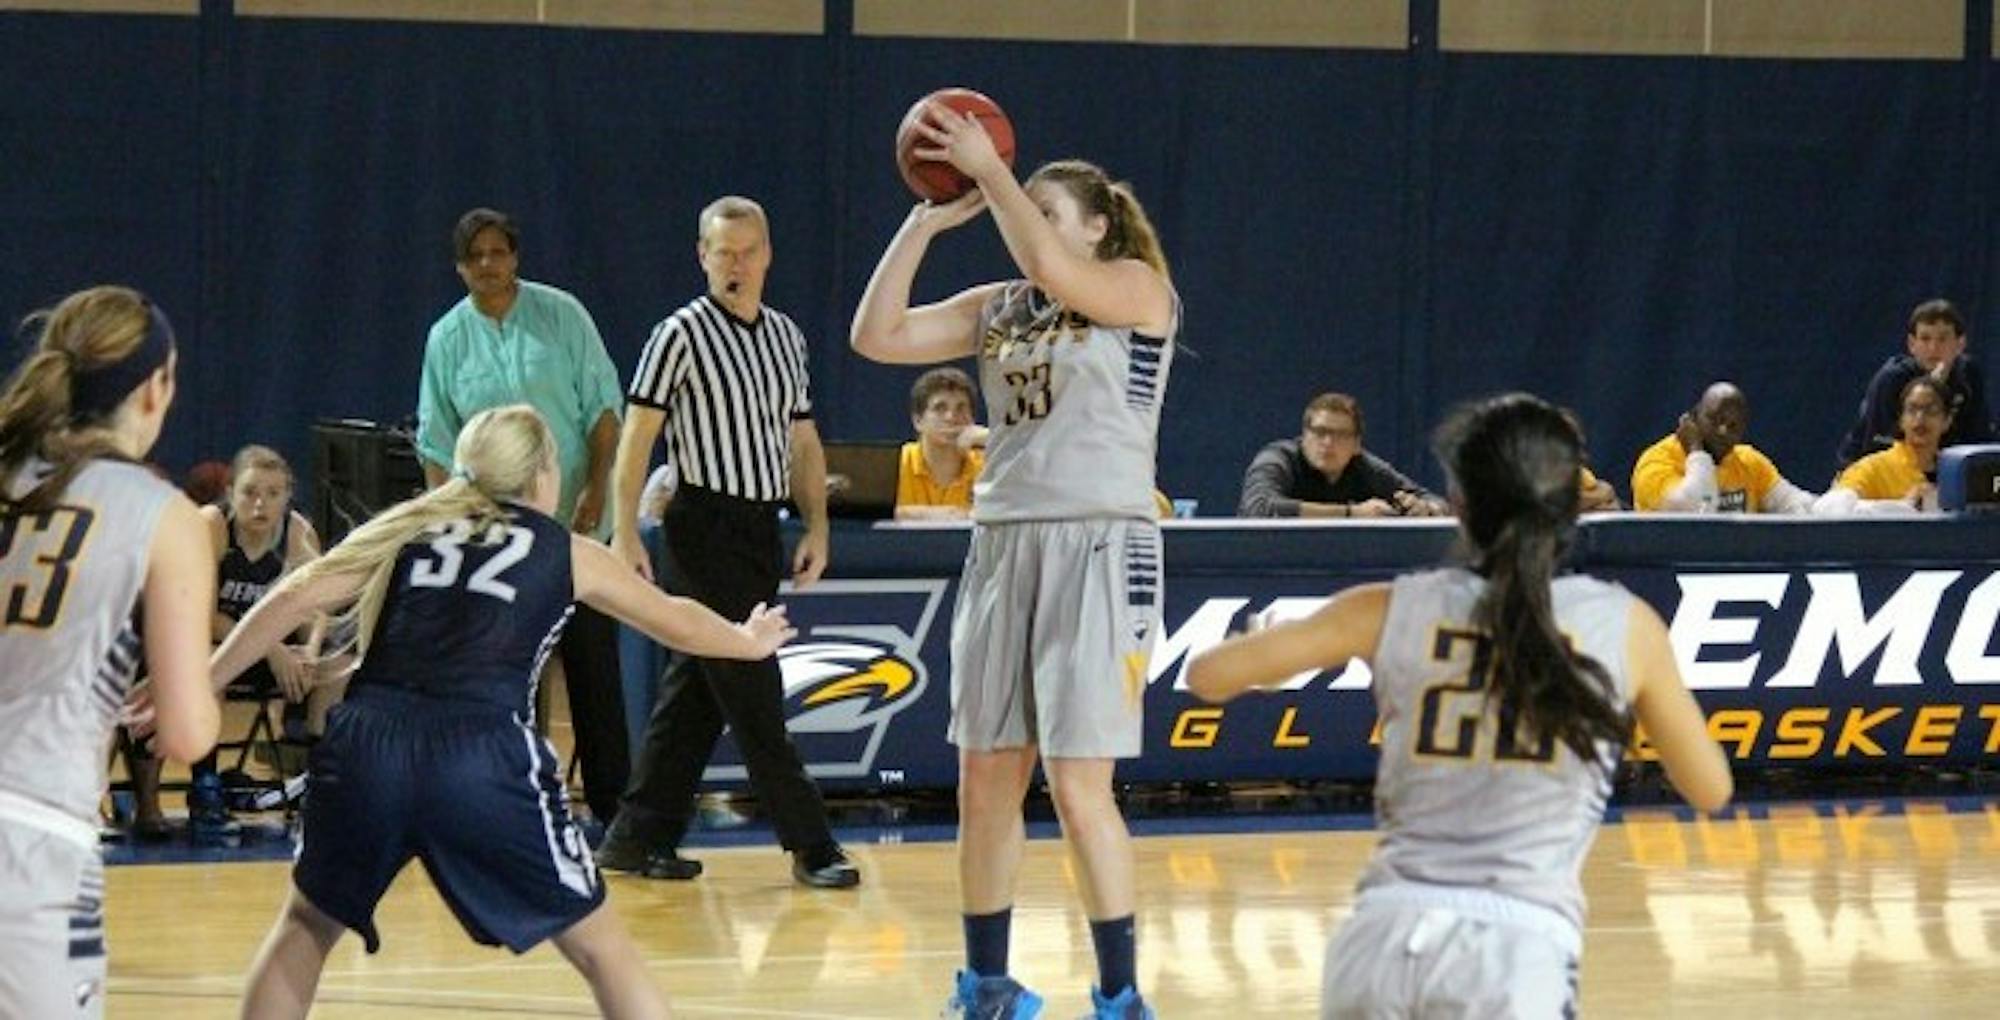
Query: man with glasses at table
(1326, 473)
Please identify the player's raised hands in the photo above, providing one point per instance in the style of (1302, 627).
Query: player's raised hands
(961, 140)
(938, 217)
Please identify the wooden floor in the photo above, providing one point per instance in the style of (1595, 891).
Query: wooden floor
(1853, 911)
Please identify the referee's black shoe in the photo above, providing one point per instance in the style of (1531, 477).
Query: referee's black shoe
(622, 853)
(825, 867)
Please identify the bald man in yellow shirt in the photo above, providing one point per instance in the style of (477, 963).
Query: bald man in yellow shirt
(1705, 467)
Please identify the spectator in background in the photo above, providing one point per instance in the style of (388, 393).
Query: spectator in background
(934, 480)
(1902, 478)
(1593, 494)
(1325, 472)
(255, 538)
(1705, 467)
(511, 341)
(1936, 347)
(207, 486)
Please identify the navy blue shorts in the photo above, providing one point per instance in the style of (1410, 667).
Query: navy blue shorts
(470, 790)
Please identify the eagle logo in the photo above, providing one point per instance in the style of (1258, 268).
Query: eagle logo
(837, 686)
(856, 666)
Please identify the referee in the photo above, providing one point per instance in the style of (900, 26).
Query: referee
(726, 378)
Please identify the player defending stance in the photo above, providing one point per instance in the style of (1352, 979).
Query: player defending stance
(459, 595)
(1506, 696)
(84, 532)
(1060, 594)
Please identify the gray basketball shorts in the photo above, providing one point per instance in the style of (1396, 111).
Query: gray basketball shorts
(1405, 960)
(51, 926)
(1051, 637)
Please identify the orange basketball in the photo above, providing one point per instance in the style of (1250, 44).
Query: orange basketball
(932, 180)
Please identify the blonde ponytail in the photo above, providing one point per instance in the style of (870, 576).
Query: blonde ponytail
(500, 454)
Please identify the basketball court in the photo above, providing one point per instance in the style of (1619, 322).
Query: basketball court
(1842, 908)
(1467, 194)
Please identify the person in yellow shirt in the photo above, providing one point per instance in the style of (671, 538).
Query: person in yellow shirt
(1902, 478)
(934, 479)
(1594, 494)
(1705, 467)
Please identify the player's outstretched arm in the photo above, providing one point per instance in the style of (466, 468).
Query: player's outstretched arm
(1673, 722)
(1347, 627)
(284, 609)
(606, 584)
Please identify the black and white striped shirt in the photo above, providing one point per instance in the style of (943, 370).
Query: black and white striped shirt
(731, 390)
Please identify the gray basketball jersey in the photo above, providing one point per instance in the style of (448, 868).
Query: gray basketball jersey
(1074, 410)
(1461, 797)
(69, 580)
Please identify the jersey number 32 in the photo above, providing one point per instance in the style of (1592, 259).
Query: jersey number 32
(440, 565)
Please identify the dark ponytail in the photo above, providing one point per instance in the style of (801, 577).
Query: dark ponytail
(1515, 462)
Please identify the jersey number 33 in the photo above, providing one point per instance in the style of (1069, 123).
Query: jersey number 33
(37, 575)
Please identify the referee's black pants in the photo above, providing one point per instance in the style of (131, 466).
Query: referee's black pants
(727, 556)
(589, 650)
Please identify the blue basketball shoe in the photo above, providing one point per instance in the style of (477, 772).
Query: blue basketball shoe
(991, 998)
(1126, 1005)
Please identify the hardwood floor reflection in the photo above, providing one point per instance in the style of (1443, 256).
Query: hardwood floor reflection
(1853, 911)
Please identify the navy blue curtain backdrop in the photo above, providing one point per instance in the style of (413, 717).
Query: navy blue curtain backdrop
(101, 169)
(1412, 227)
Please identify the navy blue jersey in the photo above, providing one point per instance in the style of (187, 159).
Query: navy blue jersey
(239, 580)
(470, 617)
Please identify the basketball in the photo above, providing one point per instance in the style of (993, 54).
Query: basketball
(935, 181)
